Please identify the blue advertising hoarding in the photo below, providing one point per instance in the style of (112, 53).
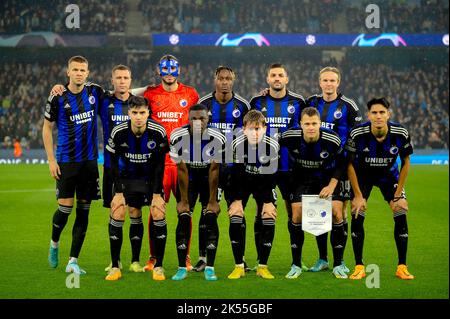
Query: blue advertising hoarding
(262, 40)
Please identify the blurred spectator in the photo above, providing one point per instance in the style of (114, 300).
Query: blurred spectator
(17, 148)
(20, 16)
(292, 16)
(231, 16)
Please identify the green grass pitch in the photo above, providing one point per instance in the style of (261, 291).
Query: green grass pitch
(27, 203)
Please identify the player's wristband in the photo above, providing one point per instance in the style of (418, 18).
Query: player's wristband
(396, 199)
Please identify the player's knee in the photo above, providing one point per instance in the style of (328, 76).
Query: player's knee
(65, 201)
(399, 205)
(135, 212)
(238, 214)
(296, 213)
(272, 215)
(158, 214)
(119, 214)
(337, 217)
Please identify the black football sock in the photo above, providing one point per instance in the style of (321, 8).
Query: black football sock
(212, 238)
(202, 235)
(115, 230)
(244, 235)
(60, 218)
(258, 230)
(79, 228)
(322, 245)
(337, 238)
(160, 240)
(136, 234)
(151, 236)
(265, 244)
(181, 238)
(297, 237)
(345, 233)
(357, 229)
(235, 232)
(401, 235)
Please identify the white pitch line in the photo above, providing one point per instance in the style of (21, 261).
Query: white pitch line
(27, 190)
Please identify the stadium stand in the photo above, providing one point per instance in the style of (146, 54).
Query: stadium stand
(419, 93)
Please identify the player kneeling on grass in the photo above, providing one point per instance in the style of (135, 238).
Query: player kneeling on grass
(137, 148)
(255, 161)
(318, 163)
(373, 148)
(197, 149)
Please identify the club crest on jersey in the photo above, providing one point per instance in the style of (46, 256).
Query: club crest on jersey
(291, 109)
(92, 99)
(264, 159)
(183, 103)
(393, 150)
(151, 145)
(324, 154)
(337, 115)
(236, 113)
(209, 152)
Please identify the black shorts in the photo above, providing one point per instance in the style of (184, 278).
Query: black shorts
(388, 188)
(257, 195)
(81, 179)
(284, 183)
(198, 189)
(308, 188)
(137, 192)
(107, 187)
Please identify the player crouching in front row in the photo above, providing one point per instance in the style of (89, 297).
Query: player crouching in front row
(373, 149)
(255, 161)
(140, 145)
(318, 163)
(197, 148)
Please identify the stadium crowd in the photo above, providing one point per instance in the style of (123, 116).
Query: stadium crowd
(419, 94)
(207, 16)
(290, 16)
(20, 16)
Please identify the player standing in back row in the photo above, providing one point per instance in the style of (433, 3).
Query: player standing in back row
(373, 149)
(281, 109)
(339, 114)
(226, 113)
(169, 106)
